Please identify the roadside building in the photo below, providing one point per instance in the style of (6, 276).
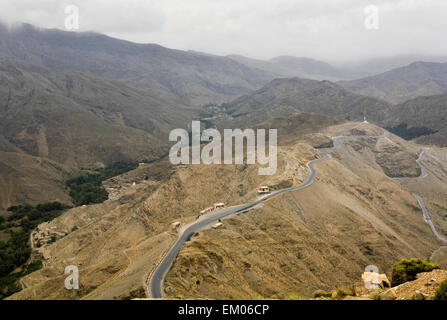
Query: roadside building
(175, 225)
(204, 211)
(217, 225)
(264, 189)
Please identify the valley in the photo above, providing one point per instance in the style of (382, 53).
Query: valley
(318, 234)
(220, 265)
(87, 179)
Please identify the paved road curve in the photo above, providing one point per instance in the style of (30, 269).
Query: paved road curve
(156, 281)
(428, 219)
(425, 212)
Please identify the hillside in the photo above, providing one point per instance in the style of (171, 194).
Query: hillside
(316, 238)
(283, 97)
(422, 119)
(85, 100)
(76, 102)
(404, 83)
(64, 116)
(29, 179)
(319, 237)
(285, 66)
(55, 124)
(189, 78)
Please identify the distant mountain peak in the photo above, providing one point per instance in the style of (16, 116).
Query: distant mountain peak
(419, 78)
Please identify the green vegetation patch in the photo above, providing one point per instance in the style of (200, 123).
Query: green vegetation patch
(403, 131)
(441, 293)
(88, 189)
(15, 252)
(343, 292)
(293, 296)
(407, 269)
(322, 294)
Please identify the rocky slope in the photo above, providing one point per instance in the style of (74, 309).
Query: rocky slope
(63, 116)
(28, 179)
(423, 288)
(319, 237)
(85, 100)
(74, 120)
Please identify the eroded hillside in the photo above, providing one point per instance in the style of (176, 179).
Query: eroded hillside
(319, 237)
(117, 244)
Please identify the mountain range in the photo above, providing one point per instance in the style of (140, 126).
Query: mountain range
(75, 102)
(85, 100)
(421, 118)
(64, 116)
(188, 78)
(283, 97)
(404, 83)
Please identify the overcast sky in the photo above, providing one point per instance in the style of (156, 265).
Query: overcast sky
(323, 29)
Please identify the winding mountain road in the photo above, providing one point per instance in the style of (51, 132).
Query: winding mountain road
(156, 281)
(425, 212)
(155, 286)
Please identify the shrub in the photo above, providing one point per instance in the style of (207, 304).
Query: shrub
(407, 269)
(342, 292)
(322, 293)
(441, 293)
(293, 296)
(33, 266)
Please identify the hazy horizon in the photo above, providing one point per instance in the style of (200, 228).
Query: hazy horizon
(325, 29)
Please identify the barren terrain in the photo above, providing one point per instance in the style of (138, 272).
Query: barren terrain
(317, 238)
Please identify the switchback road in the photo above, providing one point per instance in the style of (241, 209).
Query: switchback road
(156, 280)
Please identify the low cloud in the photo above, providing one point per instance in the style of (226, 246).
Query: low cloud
(324, 29)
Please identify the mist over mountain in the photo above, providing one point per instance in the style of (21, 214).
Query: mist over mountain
(379, 65)
(314, 69)
(189, 77)
(75, 102)
(286, 66)
(85, 99)
(404, 83)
